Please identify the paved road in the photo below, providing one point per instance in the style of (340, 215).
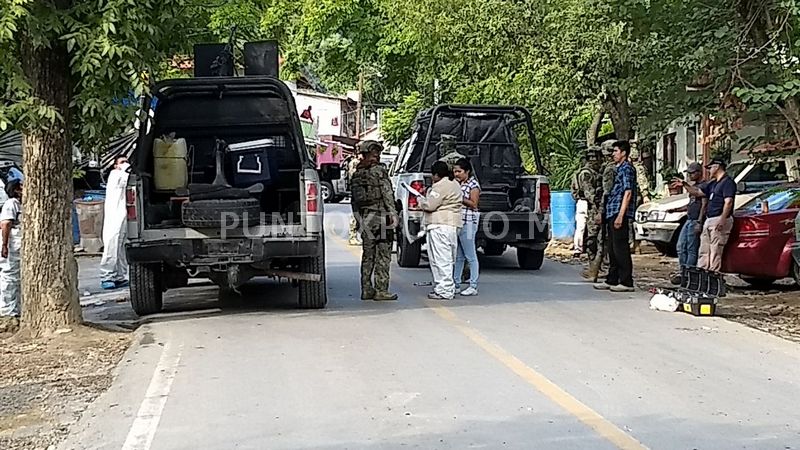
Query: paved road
(539, 360)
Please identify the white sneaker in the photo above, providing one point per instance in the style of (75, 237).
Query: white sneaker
(602, 286)
(621, 288)
(468, 292)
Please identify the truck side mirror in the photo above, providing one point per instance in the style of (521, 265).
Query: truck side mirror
(741, 187)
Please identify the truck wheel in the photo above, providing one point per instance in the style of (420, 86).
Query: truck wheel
(146, 289)
(313, 294)
(796, 271)
(326, 191)
(759, 283)
(408, 254)
(666, 249)
(530, 259)
(493, 249)
(218, 213)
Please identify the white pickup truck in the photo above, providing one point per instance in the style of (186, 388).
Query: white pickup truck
(654, 222)
(514, 206)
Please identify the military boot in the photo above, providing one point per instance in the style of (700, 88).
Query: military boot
(383, 296)
(367, 293)
(591, 274)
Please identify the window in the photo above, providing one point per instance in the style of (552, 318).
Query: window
(669, 151)
(691, 143)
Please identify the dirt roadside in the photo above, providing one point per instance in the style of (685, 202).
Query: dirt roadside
(775, 311)
(46, 384)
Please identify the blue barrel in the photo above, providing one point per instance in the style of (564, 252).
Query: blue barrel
(562, 210)
(76, 230)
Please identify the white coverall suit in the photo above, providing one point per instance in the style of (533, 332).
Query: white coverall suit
(114, 265)
(10, 294)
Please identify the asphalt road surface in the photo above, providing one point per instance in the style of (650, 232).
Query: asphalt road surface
(539, 360)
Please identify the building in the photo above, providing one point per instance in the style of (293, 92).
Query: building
(332, 115)
(694, 140)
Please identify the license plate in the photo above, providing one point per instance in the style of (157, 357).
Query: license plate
(227, 246)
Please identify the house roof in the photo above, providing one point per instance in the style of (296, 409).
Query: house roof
(122, 145)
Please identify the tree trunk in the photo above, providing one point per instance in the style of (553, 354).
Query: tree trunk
(49, 269)
(594, 128)
(791, 112)
(617, 106)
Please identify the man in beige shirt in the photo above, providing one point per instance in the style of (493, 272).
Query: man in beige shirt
(442, 207)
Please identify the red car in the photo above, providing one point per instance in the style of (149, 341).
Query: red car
(763, 236)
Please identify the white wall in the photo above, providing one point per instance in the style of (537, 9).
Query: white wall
(324, 110)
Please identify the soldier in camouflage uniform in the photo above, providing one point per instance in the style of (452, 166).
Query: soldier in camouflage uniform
(586, 186)
(607, 176)
(351, 170)
(447, 148)
(643, 185)
(373, 205)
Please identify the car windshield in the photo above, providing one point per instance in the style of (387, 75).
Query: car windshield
(778, 199)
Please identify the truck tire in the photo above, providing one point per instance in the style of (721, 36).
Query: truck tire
(215, 213)
(313, 294)
(759, 283)
(530, 259)
(326, 191)
(146, 288)
(408, 254)
(494, 249)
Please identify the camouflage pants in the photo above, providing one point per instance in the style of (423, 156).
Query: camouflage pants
(596, 261)
(376, 253)
(593, 231)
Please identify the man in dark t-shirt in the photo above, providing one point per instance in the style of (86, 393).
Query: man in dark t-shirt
(721, 195)
(689, 239)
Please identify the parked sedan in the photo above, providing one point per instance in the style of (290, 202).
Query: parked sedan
(763, 237)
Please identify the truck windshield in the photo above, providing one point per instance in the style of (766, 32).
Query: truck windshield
(735, 169)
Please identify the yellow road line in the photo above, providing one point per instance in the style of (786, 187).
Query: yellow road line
(552, 391)
(585, 414)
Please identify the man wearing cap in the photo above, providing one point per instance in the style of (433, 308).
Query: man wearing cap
(373, 206)
(721, 195)
(585, 186)
(608, 173)
(689, 239)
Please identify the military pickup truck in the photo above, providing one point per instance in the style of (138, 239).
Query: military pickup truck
(252, 204)
(514, 205)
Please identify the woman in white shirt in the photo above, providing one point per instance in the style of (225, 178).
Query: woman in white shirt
(442, 207)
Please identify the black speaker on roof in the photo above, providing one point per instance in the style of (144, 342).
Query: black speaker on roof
(261, 58)
(213, 60)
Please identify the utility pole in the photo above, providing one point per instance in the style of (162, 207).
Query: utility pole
(359, 104)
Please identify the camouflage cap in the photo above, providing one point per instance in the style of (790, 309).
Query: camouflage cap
(447, 143)
(594, 152)
(607, 147)
(370, 146)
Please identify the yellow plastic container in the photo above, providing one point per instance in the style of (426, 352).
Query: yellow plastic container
(171, 166)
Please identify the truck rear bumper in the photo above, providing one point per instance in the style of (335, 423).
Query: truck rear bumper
(197, 252)
(529, 230)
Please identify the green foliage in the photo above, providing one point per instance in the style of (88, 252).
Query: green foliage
(114, 48)
(562, 150)
(398, 123)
